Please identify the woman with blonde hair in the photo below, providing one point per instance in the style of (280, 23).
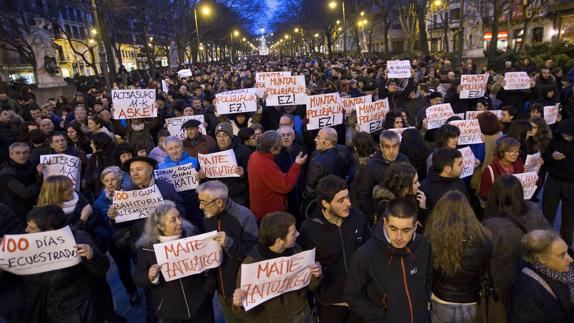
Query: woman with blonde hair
(59, 190)
(461, 250)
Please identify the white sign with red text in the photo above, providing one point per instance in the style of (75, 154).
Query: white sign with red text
(236, 101)
(218, 165)
(285, 90)
(528, 181)
(473, 86)
(399, 69)
(516, 81)
(370, 116)
(467, 162)
(469, 131)
(324, 110)
(438, 114)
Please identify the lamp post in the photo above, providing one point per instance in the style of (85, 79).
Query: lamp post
(234, 33)
(206, 11)
(333, 5)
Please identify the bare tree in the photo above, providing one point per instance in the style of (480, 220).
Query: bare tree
(408, 19)
(530, 9)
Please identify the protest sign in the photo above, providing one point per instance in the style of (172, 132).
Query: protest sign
(174, 125)
(528, 181)
(267, 279)
(134, 205)
(133, 104)
(474, 114)
(285, 90)
(399, 131)
(516, 81)
(236, 101)
(467, 162)
(220, 164)
(473, 85)
(324, 110)
(469, 131)
(183, 177)
(437, 115)
(460, 115)
(399, 69)
(260, 78)
(551, 114)
(184, 73)
(348, 104)
(188, 256)
(62, 164)
(533, 163)
(370, 116)
(34, 253)
(164, 86)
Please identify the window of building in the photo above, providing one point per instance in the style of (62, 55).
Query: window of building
(71, 13)
(77, 32)
(455, 14)
(537, 34)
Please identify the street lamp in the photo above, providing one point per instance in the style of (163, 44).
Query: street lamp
(234, 33)
(296, 30)
(333, 5)
(206, 11)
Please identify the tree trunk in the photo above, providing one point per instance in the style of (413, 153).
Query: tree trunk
(421, 13)
(493, 43)
(329, 44)
(386, 36)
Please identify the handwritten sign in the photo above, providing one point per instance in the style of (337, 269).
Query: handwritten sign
(551, 114)
(182, 177)
(516, 81)
(184, 73)
(438, 114)
(260, 78)
(34, 253)
(467, 162)
(528, 181)
(324, 110)
(469, 131)
(349, 104)
(267, 279)
(174, 125)
(164, 86)
(188, 256)
(285, 90)
(533, 163)
(399, 69)
(474, 114)
(62, 164)
(399, 131)
(370, 116)
(134, 205)
(133, 104)
(220, 164)
(237, 101)
(473, 85)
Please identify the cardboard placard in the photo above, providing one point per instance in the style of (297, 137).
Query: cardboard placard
(528, 181)
(551, 114)
(260, 78)
(219, 165)
(35, 253)
(324, 110)
(473, 85)
(236, 101)
(474, 114)
(533, 163)
(174, 125)
(370, 116)
(267, 279)
(164, 86)
(285, 90)
(516, 81)
(469, 131)
(349, 104)
(135, 205)
(467, 162)
(183, 177)
(134, 104)
(438, 114)
(399, 69)
(184, 73)
(188, 256)
(62, 164)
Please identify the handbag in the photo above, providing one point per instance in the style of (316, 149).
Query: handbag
(489, 307)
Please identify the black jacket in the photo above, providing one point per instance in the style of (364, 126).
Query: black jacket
(238, 186)
(335, 248)
(11, 286)
(332, 161)
(20, 188)
(375, 286)
(560, 170)
(371, 175)
(240, 226)
(435, 186)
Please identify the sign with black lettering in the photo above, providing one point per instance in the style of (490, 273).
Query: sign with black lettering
(62, 164)
(183, 177)
(137, 204)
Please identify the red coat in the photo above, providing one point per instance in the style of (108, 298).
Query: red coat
(497, 170)
(268, 185)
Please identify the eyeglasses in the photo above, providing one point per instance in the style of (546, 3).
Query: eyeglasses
(205, 203)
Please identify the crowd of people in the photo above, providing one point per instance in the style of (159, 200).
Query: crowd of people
(398, 235)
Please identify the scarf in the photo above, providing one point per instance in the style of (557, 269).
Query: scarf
(70, 206)
(137, 126)
(564, 278)
(169, 238)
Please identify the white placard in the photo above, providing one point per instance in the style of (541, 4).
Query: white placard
(528, 181)
(473, 85)
(349, 104)
(183, 177)
(551, 114)
(399, 69)
(188, 256)
(285, 90)
(137, 204)
(474, 114)
(164, 86)
(62, 164)
(34, 253)
(133, 104)
(267, 279)
(260, 78)
(184, 73)
(516, 81)
(399, 131)
(324, 110)
(370, 116)
(174, 125)
(219, 165)
(467, 162)
(469, 131)
(236, 101)
(533, 163)
(438, 114)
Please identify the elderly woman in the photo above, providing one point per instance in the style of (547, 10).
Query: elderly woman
(506, 161)
(544, 290)
(187, 299)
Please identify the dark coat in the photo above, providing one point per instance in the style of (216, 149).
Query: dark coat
(435, 186)
(332, 161)
(11, 286)
(20, 188)
(560, 170)
(201, 145)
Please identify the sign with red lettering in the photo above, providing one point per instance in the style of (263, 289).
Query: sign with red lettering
(474, 114)
(467, 162)
(324, 110)
(399, 69)
(220, 164)
(35, 253)
(260, 78)
(134, 104)
(285, 90)
(349, 104)
(62, 164)
(528, 181)
(137, 204)
(533, 163)
(438, 114)
(174, 125)
(184, 73)
(551, 114)
(267, 279)
(188, 256)
(370, 116)
(399, 131)
(516, 81)
(473, 85)
(236, 101)
(469, 131)
(183, 177)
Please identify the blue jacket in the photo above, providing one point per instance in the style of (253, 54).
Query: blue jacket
(185, 159)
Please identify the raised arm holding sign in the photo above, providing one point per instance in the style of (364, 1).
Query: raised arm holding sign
(399, 69)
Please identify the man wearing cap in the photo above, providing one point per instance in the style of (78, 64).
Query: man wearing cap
(196, 142)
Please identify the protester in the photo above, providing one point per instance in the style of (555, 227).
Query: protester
(443, 175)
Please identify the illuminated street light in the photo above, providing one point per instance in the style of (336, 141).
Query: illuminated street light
(91, 41)
(333, 4)
(286, 36)
(236, 33)
(316, 35)
(205, 10)
(362, 13)
(94, 31)
(296, 30)
(338, 22)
